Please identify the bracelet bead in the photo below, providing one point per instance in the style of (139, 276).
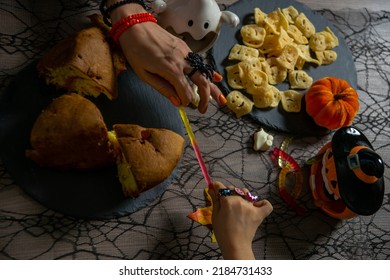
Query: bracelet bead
(119, 27)
(107, 11)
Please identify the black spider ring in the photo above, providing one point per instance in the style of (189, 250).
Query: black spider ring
(196, 62)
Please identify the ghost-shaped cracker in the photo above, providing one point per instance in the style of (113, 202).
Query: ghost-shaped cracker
(326, 57)
(262, 141)
(239, 103)
(299, 79)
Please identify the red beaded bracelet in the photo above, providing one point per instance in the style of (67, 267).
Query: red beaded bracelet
(119, 27)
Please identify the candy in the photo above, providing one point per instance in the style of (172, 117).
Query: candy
(288, 198)
(293, 167)
(279, 153)
(262, 141)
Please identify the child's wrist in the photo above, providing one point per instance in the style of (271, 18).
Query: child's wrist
(238, 252)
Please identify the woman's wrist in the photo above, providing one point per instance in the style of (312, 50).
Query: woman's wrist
(128, 22)
(124, 10)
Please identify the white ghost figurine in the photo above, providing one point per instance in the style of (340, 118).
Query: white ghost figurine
(197, 22)
(262, 141)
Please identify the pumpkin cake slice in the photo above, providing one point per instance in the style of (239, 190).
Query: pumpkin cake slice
(81, 63)
(70, 134)
(149, 155)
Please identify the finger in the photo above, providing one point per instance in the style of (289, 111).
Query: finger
(210, 90)
(201, 74)
(203, 90)
(217, 94)
(183, 89)
(217, 186)
(248, 196)
(168, 90)
(214, 193)
(172, 83)
(217, 77)
(265, 205)
(226, 192)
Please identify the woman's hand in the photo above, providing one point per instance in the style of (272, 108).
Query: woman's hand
(235, 222)
(158, 58)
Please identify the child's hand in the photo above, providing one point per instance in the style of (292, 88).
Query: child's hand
(235, 221)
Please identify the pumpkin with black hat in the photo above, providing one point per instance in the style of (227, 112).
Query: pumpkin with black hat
(347, 178)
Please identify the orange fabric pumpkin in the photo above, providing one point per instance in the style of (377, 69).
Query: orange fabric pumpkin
(332, 102)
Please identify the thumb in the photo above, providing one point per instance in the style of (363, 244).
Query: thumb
(213, 191)
(265, 206)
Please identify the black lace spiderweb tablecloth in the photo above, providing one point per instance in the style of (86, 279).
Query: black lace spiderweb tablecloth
(162, 230)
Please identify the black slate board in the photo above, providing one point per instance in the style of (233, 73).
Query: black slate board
(299, 124)
(88, 194)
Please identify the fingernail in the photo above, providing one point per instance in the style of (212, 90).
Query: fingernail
(217, 77)
(175, 101)
(202, 110)
(260, 203)
(221, 99)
